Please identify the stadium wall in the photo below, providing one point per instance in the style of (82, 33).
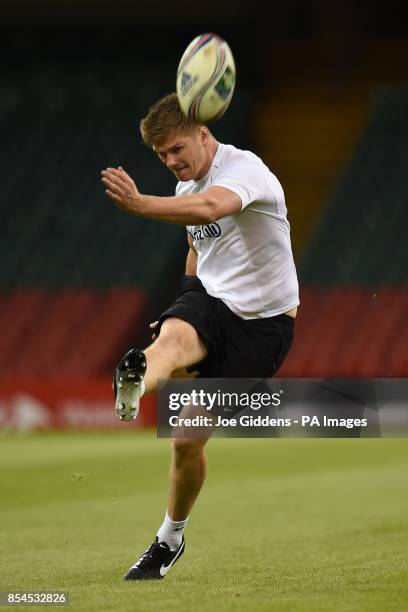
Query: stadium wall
(61, 403)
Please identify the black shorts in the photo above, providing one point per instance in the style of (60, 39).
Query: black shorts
(237, 348)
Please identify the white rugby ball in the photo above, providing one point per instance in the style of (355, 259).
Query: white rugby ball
(206, 78)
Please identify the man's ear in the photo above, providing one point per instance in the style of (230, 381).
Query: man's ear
(204, 135)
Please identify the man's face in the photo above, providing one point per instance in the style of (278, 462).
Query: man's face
(184, 154)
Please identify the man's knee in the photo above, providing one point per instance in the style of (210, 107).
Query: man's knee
(180, 339)
(187, 448)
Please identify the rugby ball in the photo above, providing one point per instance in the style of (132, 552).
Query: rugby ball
(206, 78)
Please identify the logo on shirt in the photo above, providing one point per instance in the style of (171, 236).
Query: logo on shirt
(212, 230)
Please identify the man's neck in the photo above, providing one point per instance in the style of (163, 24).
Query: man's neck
(212, 150)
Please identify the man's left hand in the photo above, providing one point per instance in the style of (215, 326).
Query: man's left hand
(121, 188)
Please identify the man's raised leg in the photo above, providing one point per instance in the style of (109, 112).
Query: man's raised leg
(177, 346)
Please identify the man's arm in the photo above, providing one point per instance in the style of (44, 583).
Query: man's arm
(193, 209)
(191, 263)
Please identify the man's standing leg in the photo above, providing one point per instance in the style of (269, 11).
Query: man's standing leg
(188, 469)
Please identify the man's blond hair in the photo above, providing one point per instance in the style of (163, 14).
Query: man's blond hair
(164, 117)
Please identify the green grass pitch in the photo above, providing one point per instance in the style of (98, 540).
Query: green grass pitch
(281, 524)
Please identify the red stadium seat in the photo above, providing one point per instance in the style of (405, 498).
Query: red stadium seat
(350, 331)
(66, 333)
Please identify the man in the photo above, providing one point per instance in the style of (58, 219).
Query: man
(235, 309)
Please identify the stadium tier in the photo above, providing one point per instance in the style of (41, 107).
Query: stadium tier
(348, 331)
(354, 274)
(67, 333)
(362, 234)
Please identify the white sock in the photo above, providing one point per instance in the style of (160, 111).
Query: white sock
(171, 532)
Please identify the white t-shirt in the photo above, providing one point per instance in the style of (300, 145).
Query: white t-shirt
(245, 259)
